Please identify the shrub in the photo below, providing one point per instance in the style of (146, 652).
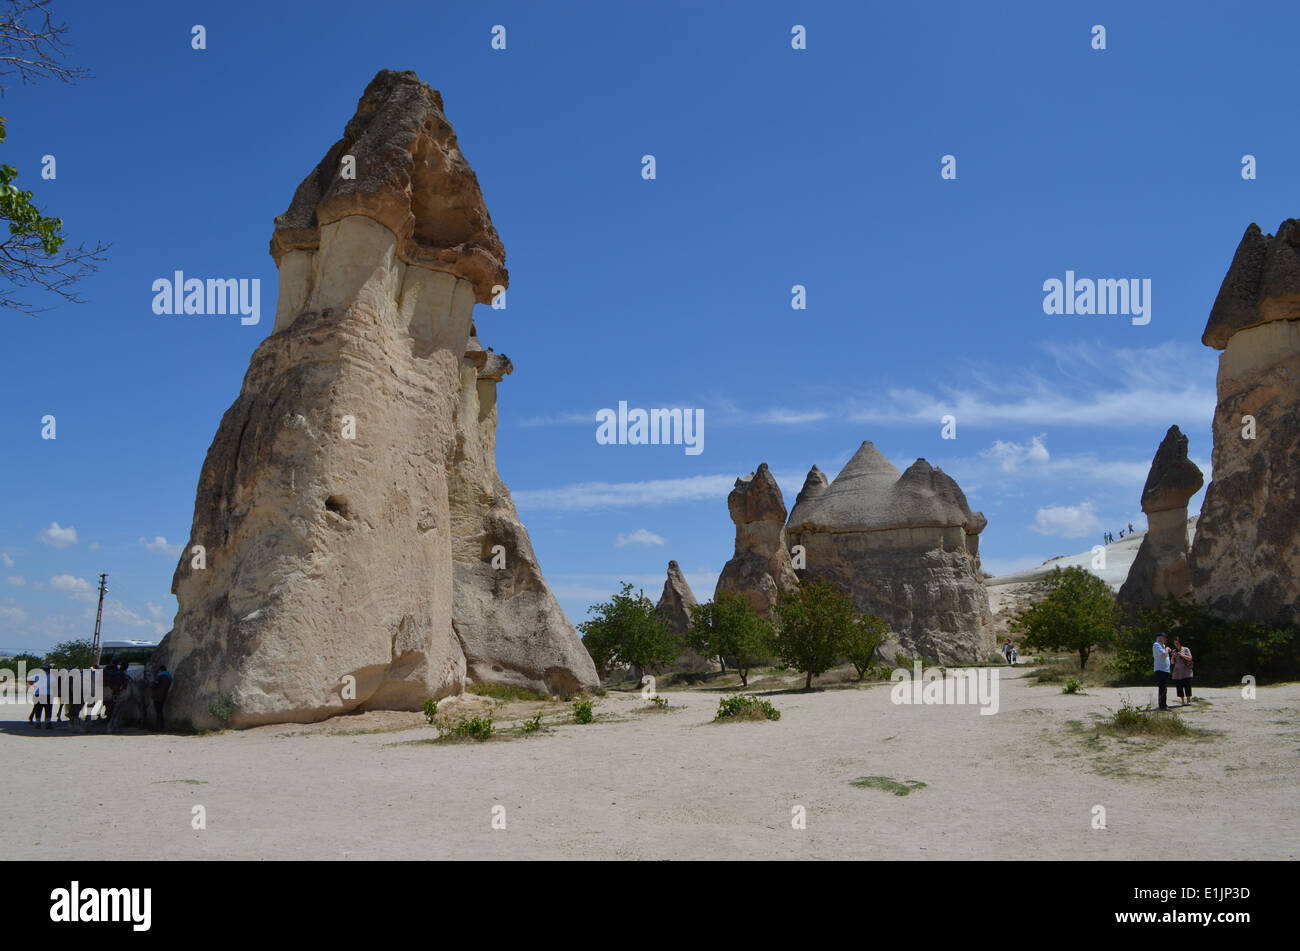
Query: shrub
(31, 660)
(222, 709)
(582, 711)
(1129, 720)
(534, 723)
(1072, 685)
(730, 631)
(431, 710)
(466, 728)
(815, 621)
(1078, 614)
(746, 707)
(660, 702)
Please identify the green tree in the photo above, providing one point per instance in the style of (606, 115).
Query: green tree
(625, 630)
(1078, 614)
(34, 252)
(728, 629)
(865, 636)
(71, 655)
(815, 621)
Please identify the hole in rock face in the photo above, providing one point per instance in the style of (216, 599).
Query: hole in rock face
(338, 505)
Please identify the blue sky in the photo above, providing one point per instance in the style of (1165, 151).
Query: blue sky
(775, 167)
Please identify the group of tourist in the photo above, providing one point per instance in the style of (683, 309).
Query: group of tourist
(1173, 662)
(1109, 537)
(45, 688)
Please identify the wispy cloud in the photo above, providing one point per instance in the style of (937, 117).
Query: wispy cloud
(9, 562)
(16, 580)
(591, 495)
(58, 536)
(642, 536)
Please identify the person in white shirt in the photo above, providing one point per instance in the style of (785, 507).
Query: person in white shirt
(1160, 653)
(42, 698)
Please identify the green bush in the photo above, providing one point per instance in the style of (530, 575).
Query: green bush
(582, 711)
(31, 660)
(660, 702)
(1223, 650)
(431, 710)
(534, 723)
(1072, 685)
(1129, 720)
(746, 707)
(222, 709)
(466, 728)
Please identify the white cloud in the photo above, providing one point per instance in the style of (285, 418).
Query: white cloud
(1010, 456)
(587, 495)
(155, 611)
(9, 562)
(1068, 521)
(117, 612)
(18, 580)
(642, 536)
(159, 546)
(12, 613)
(94, 546)
(58, 536)
(79, 589)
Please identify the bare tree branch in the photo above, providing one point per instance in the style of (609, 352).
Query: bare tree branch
(32, 44)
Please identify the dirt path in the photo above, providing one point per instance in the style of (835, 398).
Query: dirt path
(1020, 784)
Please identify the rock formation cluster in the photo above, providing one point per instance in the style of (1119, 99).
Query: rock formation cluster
(1245, 559)
(1160, 568)
(349, 503)
(905, 547)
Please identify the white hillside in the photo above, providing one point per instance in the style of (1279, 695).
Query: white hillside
(1009, 593)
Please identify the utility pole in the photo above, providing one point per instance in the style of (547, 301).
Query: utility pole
(99, 615)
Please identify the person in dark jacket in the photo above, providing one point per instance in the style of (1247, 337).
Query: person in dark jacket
(162, 683)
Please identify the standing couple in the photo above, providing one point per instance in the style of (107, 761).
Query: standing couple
(1173, 660)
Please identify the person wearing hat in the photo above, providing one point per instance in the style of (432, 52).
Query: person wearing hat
(1160, 652)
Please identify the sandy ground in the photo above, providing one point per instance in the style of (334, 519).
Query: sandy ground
(672, 785)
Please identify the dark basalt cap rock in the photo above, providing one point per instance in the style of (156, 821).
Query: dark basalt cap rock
(1173, 478)
(1262, 284)
(410, 177)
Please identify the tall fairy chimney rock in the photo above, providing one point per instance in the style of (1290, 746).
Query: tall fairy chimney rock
(1160, 568)
(905, 547)
(510, 627)
(760, 569)
(1245, 559)
(326, 583)
(674, 612)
